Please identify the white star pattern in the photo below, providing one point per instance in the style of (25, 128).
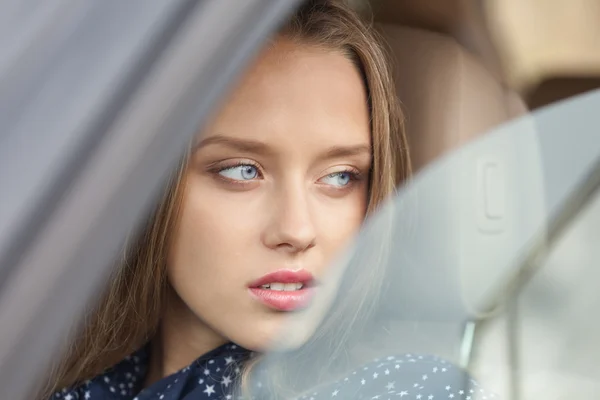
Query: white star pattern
(213, 378)
(210, 389)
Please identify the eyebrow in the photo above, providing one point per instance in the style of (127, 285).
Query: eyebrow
(347, 151)
(257, 147)
(244, 145)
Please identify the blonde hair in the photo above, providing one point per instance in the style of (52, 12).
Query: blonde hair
(129, 312)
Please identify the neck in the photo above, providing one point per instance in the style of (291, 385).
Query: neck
(182, 338)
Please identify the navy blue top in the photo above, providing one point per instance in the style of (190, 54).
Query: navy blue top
(213, 376)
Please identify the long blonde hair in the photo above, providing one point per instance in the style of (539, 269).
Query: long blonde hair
(129, 312)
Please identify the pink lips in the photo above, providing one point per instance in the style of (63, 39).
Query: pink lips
(284, 300)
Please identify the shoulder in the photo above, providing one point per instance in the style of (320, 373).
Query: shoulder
(420, 377)
(82, 392)
(123, 379)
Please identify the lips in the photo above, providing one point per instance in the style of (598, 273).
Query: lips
(284, 290)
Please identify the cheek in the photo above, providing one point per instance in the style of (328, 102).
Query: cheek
(340, 221)
(218, 249)
(212, 234)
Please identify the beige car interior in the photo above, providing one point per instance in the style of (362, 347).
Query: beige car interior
(454, 86)
(450, 85)
(448, 76)
(474, 64)
(448, 94)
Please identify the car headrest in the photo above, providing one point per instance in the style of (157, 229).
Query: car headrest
(448, 96)
(452, 253)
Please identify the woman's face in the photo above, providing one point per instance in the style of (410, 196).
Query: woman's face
(277, 183)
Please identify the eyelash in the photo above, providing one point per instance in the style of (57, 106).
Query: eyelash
(355, 174)
(221, 168)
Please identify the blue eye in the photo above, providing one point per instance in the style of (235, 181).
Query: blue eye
(244, 172)
(339, 179)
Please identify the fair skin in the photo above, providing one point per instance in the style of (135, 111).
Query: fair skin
(278, 180)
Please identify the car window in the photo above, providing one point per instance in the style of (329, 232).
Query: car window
(436, 272)
(485, 260)
(97, 102)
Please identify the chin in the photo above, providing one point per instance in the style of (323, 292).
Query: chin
(272, 336)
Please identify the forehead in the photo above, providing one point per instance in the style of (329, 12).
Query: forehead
(297, 92)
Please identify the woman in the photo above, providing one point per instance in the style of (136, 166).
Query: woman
(309, 143)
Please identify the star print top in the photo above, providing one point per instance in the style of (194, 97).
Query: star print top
(213, 377)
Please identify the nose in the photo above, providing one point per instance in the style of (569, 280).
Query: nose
(291, 227)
